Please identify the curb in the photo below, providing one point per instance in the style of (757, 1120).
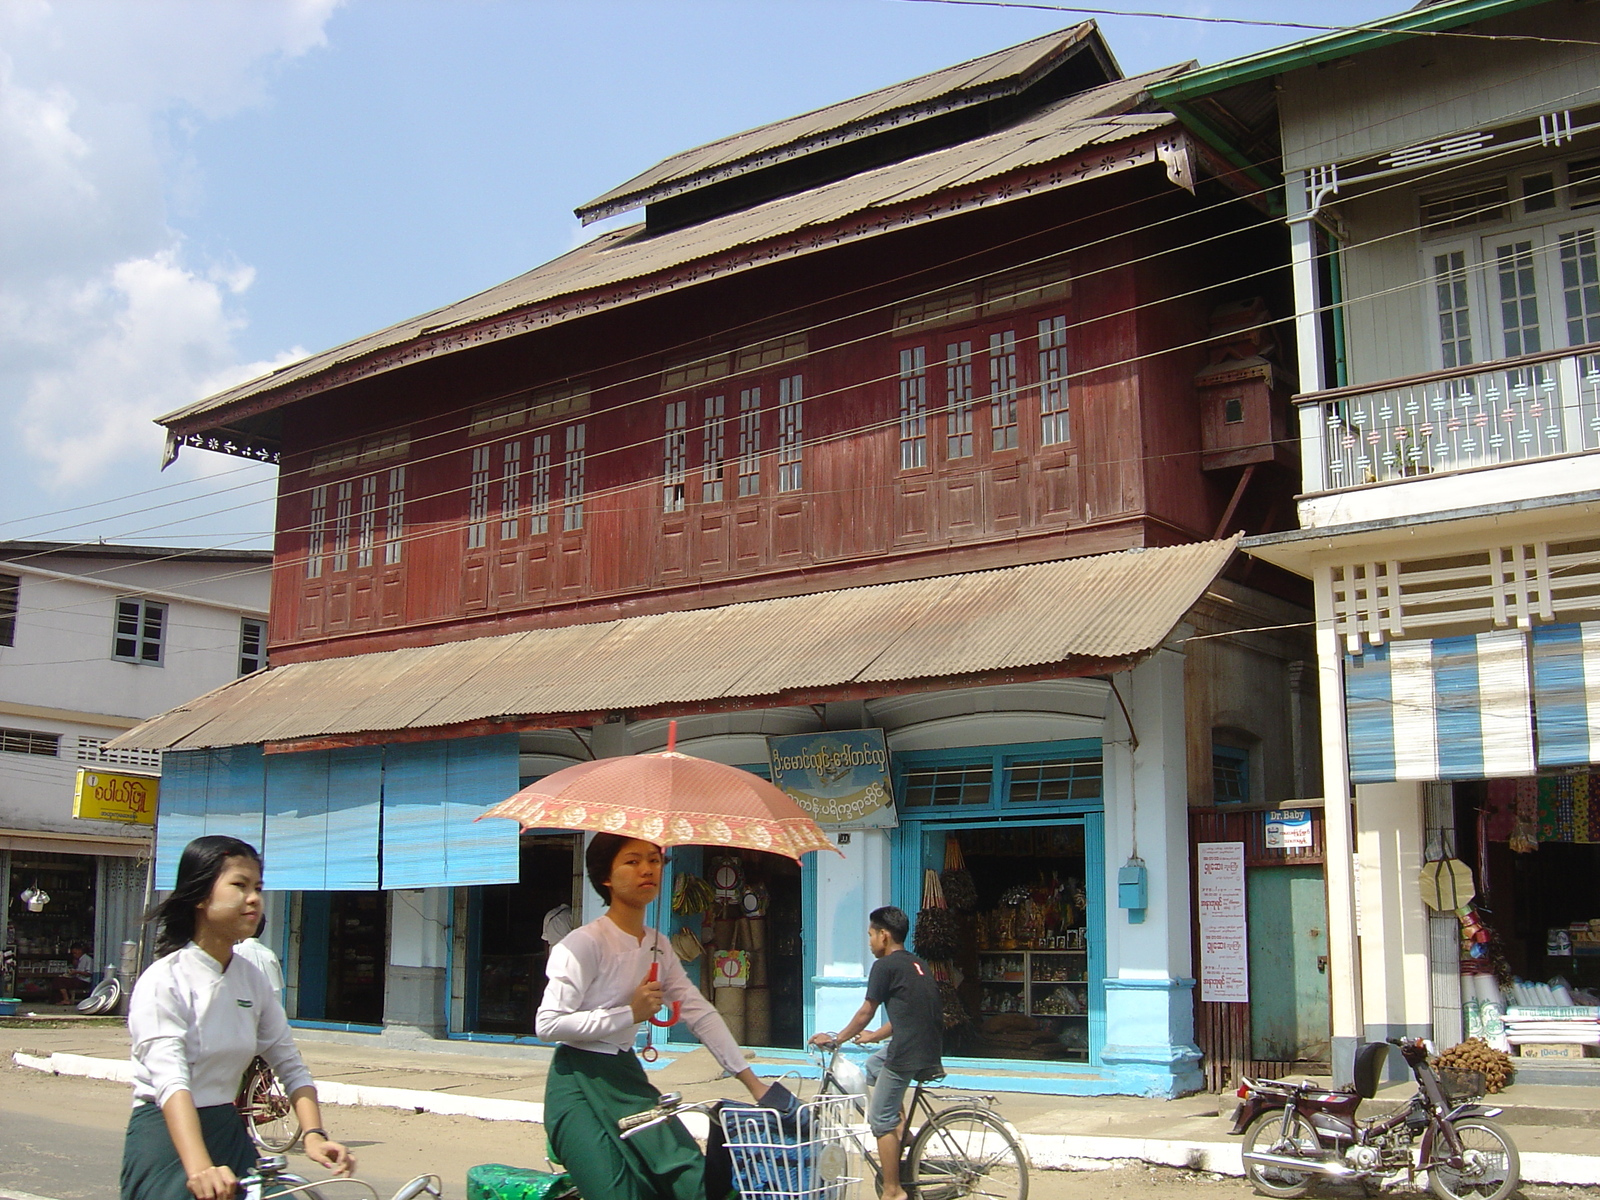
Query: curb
(1046, 1151)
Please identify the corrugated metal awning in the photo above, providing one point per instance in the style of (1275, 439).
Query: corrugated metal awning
(1082, 615)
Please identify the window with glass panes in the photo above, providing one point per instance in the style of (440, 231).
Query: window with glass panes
(1230, 774)
(675, 455)
(1035, 776)
(10, 591)
(713, 449)
(140, 632)
(913, 408)
(252, 645)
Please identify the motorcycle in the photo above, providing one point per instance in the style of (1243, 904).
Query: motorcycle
(1296, 1133)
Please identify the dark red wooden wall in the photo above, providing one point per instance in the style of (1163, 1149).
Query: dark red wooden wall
(1129, 474)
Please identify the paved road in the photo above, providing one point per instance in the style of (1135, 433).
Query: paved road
(61, 1138)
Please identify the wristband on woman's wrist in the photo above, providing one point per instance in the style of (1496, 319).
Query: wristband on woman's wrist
(322, 1132)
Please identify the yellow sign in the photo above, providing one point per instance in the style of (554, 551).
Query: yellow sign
(130, 799)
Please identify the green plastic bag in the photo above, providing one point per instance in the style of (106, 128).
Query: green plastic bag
(496, 1181)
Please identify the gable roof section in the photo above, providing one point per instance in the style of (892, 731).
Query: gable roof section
(1003, 73)
(1074, 616)
(635, 266)
(1231, 105)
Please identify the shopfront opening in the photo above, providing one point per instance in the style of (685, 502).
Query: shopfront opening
(506, 947)
(1534, 845)
(1013, 837)
(759, 907)
(42, 933)
(344, 938)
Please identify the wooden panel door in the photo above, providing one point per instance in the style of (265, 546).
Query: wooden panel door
(1287, 923)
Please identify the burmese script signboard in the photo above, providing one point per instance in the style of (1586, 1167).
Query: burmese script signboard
(841, 778)
(1224, 952)
(102, 796)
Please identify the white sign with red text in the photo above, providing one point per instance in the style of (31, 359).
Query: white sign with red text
(1224, 948)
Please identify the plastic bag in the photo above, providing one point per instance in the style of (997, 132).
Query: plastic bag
(496, 1181)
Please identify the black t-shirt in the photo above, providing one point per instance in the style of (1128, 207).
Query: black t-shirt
(905, 986)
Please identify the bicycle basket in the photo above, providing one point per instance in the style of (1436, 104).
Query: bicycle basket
(802, 1156)
(1460, 1086)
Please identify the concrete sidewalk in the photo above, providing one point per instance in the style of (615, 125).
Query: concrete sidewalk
(1556, 1129)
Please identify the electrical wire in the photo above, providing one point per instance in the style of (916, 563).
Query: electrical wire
(596, 495)
(1387, 26)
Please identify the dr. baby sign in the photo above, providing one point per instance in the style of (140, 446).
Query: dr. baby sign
(100, 796)
(840, 778)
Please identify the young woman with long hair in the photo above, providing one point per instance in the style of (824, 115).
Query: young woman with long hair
(199, 1014)
(601, 988)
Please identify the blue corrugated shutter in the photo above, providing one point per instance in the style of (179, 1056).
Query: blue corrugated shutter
(432, 792)
(322, 820)
(481, 772)
(236, 793)
(180, 810)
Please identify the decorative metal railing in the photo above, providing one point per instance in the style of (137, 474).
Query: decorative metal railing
(1513, 410)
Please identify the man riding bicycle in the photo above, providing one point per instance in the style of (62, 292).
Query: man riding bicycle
(904, 986)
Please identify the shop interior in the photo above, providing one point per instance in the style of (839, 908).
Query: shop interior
(344, 939)
(736, 916)
(1004, 922)
(1534, 846)
(51, 905)
(508, 932)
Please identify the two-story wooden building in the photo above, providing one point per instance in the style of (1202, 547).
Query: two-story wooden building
(1442, 171)
(929, 413)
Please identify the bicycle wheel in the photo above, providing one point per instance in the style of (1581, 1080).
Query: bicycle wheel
(965, 1152)
(268, 1115)
(1266, 1134)
(1491, 1168)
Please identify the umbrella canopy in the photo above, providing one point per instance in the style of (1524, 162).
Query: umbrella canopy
(670, 799)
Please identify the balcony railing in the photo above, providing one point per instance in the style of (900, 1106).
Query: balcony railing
(1508, 411)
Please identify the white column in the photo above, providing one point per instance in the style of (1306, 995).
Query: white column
(848, 888)
(1344, 967)
(1396, 995)
(1149, 974)
(1307, 328)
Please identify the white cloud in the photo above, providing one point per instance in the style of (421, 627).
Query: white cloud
(105, 320)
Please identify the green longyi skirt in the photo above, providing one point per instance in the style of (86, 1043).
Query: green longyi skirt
(151, 1169)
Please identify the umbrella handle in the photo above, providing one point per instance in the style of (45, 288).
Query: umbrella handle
(676, 1006)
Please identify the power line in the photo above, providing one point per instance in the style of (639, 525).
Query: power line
(1389, 26)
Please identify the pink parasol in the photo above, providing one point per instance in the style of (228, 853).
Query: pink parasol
(670, 799)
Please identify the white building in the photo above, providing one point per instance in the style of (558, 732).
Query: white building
(1442, 176)
(94, 638)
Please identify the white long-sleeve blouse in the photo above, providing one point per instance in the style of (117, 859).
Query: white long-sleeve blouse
(196, 1025)
(593, 973)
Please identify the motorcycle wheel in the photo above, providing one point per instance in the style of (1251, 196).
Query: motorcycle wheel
(1265, 1134)
(1492, 1171)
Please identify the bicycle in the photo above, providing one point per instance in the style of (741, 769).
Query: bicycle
(797, 1152)
(964, 1149)
(272, 1180)
(264, 1105)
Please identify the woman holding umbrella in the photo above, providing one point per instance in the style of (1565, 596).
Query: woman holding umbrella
(606, 978)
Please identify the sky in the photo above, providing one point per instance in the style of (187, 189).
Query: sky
(193, 192)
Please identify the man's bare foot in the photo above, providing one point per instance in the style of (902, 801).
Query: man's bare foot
(898, 1194)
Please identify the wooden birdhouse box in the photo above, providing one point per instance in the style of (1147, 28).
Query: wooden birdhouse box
(1244, 403)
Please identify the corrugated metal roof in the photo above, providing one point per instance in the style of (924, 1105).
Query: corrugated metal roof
(979, 79)
(1096, 117)
(1107, 607)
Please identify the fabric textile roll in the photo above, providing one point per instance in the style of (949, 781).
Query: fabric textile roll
(1493, 1009)
(757, 1016)
(1471, 1008)
(731, 1004)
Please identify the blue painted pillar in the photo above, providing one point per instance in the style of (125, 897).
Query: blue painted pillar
(847, 890)
(1149, 1046)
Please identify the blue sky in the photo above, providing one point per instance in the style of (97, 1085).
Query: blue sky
(193, 191)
